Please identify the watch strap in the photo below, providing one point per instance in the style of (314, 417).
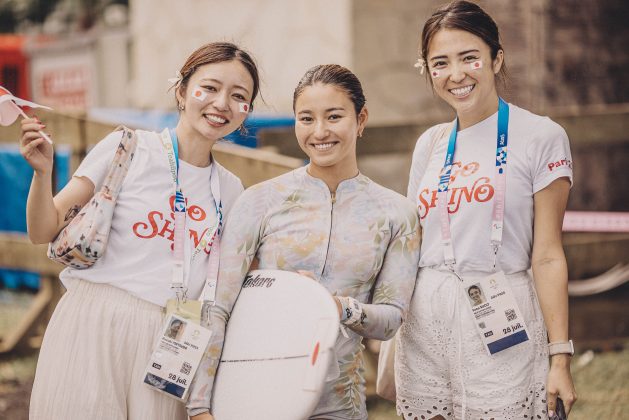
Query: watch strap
(561, 347)
(352, 311)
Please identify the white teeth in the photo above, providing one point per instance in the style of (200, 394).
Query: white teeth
(323, 146)
(462, 91)
(216, 119)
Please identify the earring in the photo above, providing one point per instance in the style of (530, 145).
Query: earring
(181, 106)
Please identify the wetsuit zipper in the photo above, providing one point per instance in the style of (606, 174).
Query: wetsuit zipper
(327, 251)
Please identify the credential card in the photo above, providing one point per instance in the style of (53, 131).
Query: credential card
(496, 314)
(177, 356)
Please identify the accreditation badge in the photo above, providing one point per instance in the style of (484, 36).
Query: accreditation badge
(496, 314)
(177, 356)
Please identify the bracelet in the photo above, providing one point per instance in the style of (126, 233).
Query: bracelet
(561, 347)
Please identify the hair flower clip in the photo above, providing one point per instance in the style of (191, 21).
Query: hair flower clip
(421, 65)
(176, 81)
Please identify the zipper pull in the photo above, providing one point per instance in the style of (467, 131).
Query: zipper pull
(333, 196)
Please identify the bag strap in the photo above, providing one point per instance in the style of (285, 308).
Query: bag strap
(121, 163)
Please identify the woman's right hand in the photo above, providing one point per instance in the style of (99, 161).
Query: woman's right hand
(34, 148)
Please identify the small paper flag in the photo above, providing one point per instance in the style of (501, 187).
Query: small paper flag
(10, 109)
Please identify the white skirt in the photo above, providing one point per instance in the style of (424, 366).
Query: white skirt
(443, 368)
(95, 350)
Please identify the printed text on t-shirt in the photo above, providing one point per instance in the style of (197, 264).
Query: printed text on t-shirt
(480, 190)
(158, 225)
(559, 163)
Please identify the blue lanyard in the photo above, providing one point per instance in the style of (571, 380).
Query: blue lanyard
(499, 200)
(180, 202)
(501, 145)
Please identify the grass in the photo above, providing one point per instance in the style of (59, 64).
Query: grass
(602, 384)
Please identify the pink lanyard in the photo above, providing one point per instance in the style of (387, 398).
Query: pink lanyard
(210, 238)
(497, 219)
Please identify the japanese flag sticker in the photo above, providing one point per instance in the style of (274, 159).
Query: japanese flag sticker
(476, 65)
(434, 73)
(199, 94)
(243, 107)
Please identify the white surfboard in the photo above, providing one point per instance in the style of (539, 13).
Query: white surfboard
(277, 348)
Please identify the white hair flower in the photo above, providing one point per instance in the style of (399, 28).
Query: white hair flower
(421, 65)
(176, 81)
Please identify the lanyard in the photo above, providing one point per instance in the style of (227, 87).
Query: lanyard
(497, 218)
(210, 237)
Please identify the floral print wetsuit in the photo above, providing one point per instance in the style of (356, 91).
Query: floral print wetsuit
(361, 242)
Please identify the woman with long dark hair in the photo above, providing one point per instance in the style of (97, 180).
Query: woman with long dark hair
(491, 189)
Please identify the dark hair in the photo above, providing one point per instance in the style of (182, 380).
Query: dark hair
(465, 16)
(218, 52)
(335, 75)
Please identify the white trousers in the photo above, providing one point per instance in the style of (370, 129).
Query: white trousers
(93, 356)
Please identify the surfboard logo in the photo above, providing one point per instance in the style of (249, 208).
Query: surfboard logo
(258, 281)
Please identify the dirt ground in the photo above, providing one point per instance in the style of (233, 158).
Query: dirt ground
(602, 385)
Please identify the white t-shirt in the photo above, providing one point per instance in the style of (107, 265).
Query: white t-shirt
(139, 257)
(538, 153)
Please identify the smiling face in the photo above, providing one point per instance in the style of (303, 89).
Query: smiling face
(326, 128)
(464, 74)
(213, 100)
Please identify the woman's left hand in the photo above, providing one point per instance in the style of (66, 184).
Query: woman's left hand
(560, 384)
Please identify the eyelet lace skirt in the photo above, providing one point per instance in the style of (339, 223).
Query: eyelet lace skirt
(442, 367)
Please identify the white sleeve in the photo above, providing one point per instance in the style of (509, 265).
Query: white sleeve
(420, 162)
(98, 160)
(549, 155)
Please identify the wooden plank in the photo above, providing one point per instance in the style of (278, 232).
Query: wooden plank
(253, 166)
(36, 310)
(18, 253)
(591, 254)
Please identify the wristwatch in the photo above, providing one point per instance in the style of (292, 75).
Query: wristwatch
(352, 311)
(561, 347)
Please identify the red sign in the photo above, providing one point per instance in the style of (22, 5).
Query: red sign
(65, 87)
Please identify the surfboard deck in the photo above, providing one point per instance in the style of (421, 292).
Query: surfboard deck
(277, 348)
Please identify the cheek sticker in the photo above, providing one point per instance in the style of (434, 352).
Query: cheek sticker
(435, 73)
(243, 107)
(476, 65)
(199, 94)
